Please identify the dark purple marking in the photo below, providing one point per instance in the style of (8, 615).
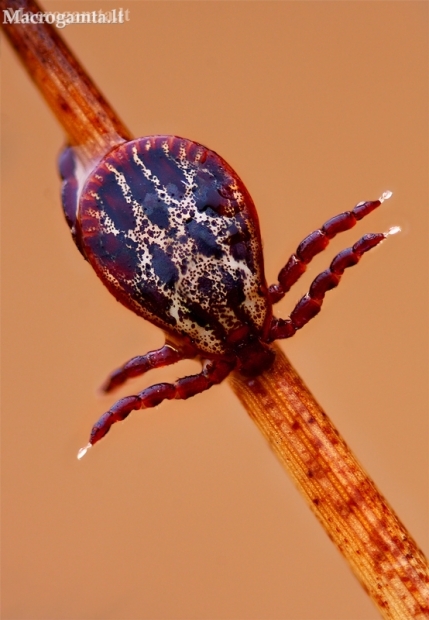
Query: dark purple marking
(113, 203)
(205, 286)
(156, 210)
(149, 296)
(163, 266)
(205, 241)
(234, 290)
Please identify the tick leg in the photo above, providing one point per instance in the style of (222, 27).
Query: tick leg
(316, 242)
(213, 372)
(310, 305)
(165, 356)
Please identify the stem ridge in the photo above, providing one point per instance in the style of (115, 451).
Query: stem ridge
(356, 517)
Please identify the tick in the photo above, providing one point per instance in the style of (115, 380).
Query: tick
(173, 233)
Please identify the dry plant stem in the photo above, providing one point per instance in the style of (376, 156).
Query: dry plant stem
(356, 517)
(87, 118)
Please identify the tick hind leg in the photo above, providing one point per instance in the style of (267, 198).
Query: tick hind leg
(213, 372)
(310, 305)
(316, 242)
(165, 356)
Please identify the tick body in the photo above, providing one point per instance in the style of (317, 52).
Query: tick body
(171, 230)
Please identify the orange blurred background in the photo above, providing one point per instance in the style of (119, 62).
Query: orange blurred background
(183, 512)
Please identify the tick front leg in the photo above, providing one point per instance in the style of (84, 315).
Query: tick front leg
(316, 242)
(213, 372)
(165, 356)
(310, 305)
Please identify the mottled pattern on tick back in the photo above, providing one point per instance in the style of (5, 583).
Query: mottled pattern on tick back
(173, 233)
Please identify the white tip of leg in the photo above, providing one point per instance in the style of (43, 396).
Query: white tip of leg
(83, 451)
(393, 231)
(385, 195)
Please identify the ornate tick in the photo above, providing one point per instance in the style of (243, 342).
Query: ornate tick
(173, 233)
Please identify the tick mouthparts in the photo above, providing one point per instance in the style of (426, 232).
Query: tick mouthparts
(83, 451)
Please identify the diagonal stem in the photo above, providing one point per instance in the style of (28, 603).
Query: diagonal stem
(354, 514)
(356, 517)
(86, 116)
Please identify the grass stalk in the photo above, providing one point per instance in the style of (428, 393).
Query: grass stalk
(87, 118)
(356, 517)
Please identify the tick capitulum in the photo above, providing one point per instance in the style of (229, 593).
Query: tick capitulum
(173, 233)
